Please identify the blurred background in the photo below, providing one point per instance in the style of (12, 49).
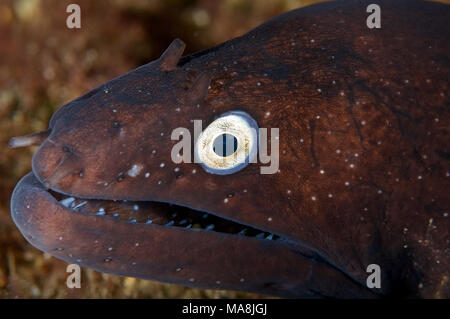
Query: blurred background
(43, 65)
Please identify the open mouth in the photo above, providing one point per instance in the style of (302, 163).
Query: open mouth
(159, 213)
(166, 242)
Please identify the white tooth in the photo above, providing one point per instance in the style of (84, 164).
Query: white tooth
(133, 220)
(260, 235)
(101, 211)
(188, 226)
(115, 215)
(174, 215)
(269, 237)
(80, 205)
(210, 227)
(242, 232)
(67, 201)
(149, 221)
(184, 221)
(169, 223)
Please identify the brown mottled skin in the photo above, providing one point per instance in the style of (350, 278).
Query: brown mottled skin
(364, 160)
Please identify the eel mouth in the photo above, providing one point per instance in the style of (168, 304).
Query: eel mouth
(155, 213)
(160, 213)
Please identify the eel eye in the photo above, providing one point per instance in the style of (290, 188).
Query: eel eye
(228, 144)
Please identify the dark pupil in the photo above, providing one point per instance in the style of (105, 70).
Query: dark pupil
(225, 145)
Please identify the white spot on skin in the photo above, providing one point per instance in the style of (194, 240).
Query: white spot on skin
(313, 198)
(330, 195)
(269, 219)
(194, 171)
(225, 200)
(347, 183)
(110, 248)
(322, 171)
(288, 191)
(135, 170)
(147, 175)
(135, 207)
(162, 165)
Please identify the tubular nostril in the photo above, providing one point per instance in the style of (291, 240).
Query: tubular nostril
(30, 139)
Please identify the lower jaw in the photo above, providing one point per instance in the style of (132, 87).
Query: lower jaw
(90, 235)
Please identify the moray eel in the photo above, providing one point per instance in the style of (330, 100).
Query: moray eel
(363, 174)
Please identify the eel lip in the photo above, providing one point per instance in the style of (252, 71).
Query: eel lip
(202, 258)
